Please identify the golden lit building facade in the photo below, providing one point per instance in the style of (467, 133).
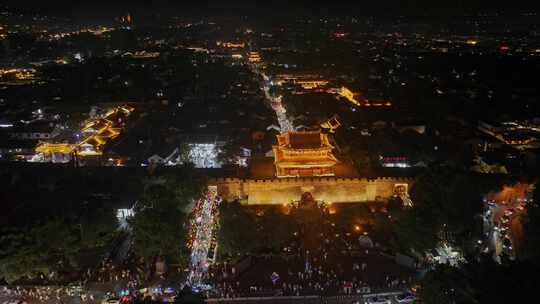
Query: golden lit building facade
(254, 57)
(304, 153)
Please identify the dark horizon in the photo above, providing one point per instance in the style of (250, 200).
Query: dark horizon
(300, 7)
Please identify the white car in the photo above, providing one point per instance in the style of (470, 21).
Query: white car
(378, 300)
(111, 301)
(405, 298)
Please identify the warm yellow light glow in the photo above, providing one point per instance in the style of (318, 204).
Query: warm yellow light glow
(331, 124)
(349, 95)
(303, 158)
(89, 153)
(254, 57)
(231, 45)
(49, 148)
(98, 138)
(20, 74)
(312, 84)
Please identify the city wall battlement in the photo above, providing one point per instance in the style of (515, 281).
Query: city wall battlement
(330, 189)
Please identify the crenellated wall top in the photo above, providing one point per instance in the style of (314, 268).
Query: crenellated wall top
(221, 180)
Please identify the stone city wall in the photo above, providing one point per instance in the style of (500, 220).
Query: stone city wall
(328, 189)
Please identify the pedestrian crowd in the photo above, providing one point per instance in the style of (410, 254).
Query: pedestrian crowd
(46, 294)
(337, 266)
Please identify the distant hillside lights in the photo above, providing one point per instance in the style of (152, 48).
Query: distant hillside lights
(97, 31)
(142, 54)
(312, 84)
(19, 74)
(353, 98)
(231, 45)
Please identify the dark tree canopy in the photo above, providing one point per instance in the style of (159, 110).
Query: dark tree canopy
(238, 233)
(51, 229)
(480, 281)
(446, 208)
(161, 215)
(276, 229)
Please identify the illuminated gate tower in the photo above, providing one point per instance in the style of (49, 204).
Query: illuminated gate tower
(303, 153)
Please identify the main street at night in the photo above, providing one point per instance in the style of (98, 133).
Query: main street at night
(504, 218)
(285, 124)
(202, 231)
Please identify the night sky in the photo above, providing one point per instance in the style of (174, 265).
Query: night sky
(254, 6)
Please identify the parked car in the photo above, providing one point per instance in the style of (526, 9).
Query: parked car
(378, 300)
(405, 298)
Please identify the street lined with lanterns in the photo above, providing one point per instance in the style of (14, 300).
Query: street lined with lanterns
(202, 238)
